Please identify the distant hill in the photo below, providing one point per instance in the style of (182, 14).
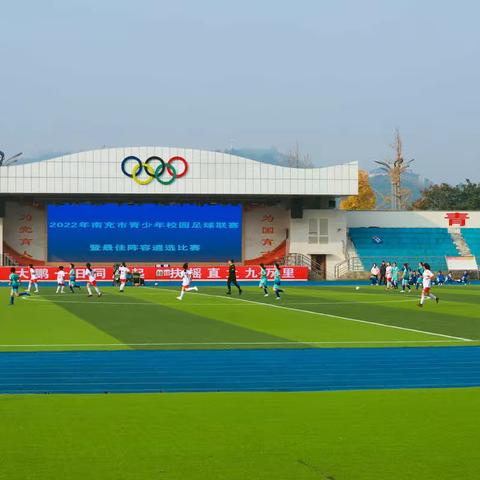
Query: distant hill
(380, 183)
(266, 155)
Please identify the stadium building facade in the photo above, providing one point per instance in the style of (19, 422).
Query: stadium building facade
(158, 205)
(162, 205)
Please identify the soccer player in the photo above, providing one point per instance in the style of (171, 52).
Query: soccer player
(406, 278)
(419, 278)
(388, 275)
(395, 275)
(92, 280)
(123, 271)
(61, 274)
(440, 278)
(421, 268)
(263, 280)
(232, 278)
(427, 278)
(14, 282)
(72, 279)
(33, 279)
(277, 281)
(186, 276)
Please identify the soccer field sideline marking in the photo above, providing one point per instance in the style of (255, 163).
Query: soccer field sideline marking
(180, 344)
(338, 316)
(228, 301)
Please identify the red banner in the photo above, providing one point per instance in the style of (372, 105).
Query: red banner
(167, 274)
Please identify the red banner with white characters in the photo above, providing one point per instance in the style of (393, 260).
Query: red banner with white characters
(250, 272)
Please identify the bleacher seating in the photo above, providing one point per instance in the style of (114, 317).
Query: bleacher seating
(472, 237)
(402, 245)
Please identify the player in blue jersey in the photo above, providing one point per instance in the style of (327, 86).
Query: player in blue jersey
(263, 280)
(14, 282)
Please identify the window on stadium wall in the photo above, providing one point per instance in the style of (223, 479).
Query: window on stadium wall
(318, 230)
(145, 232)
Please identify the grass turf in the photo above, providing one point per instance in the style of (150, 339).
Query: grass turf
(370, 435)
(318, 316)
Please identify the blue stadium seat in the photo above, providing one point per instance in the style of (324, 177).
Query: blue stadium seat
(402, 245)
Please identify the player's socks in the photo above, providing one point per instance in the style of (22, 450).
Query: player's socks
(12, 299)
(89, 291)
(182, 293)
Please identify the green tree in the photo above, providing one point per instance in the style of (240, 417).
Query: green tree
(464, 196)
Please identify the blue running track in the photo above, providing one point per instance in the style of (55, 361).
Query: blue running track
(286, 370)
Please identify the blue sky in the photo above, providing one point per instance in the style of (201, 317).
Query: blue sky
(336, 76)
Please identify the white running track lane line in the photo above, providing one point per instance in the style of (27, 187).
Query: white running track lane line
(338, 316)
(183, 344)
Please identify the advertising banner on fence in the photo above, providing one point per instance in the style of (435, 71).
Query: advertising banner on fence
(166, 274)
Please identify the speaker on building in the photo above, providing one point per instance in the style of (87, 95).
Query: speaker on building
(296, 208)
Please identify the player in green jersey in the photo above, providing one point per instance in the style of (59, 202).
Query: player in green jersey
(263, 280)
(277, 282)
(406, 272)
(72, 279)
(14, 281)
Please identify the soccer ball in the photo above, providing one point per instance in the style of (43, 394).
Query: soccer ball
(357, 288)
(156, 284)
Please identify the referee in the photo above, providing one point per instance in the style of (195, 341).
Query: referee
(232, 278)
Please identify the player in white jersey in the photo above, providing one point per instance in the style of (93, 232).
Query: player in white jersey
(427, 278)
(33, 280)
(186, 276)
(123, 271)
(60, 279)
(92, 280)
(388, 275)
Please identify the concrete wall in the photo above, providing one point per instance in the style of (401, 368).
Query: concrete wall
(337, 237)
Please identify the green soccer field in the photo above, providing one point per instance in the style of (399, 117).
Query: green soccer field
(314, 316)
(426, 434)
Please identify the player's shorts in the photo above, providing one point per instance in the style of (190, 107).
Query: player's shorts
(426, 290)
(405, 282)
(33, 280)
(14, 289)
(263, 283)
(276, 284)
(72, 282)
(93, 283)
(60, 283)
(123, 280)
(185, 286)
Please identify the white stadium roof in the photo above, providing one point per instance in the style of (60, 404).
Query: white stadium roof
(99, 172)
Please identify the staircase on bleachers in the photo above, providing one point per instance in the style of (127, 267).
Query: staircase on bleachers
(459, 241)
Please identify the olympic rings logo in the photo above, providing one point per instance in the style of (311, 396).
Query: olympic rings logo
(154, 172)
